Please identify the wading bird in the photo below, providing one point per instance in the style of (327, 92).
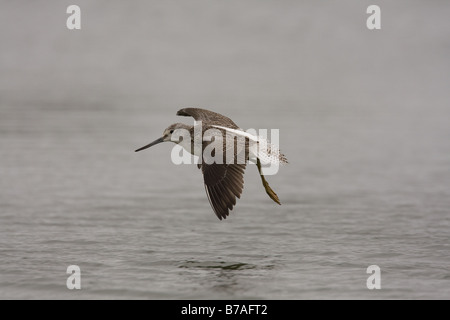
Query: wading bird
(223, 180)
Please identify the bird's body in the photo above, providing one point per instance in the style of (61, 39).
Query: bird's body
(223, 168)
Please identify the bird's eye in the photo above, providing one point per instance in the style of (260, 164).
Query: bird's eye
(171, 131)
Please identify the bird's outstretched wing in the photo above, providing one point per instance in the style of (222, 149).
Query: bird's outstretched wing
(207, 117)
(223, 184)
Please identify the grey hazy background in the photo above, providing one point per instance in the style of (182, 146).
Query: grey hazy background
(363, 116)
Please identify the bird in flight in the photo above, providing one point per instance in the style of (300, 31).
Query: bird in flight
(223, 179)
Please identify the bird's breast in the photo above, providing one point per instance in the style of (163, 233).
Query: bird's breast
(192, 147)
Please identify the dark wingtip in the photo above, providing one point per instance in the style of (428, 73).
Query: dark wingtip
(274, 197)
(181, 112)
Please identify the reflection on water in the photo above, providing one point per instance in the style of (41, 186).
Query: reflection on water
(217, 265)
(226, 279)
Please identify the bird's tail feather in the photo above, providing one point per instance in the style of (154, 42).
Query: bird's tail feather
(269, 190)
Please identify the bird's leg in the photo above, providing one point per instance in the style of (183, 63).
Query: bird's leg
(269, 190)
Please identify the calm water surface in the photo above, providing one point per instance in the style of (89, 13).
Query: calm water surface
(368, 142)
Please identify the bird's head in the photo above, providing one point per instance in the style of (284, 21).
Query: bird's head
(167, 135)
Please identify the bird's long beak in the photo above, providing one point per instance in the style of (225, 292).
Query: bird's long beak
(151, 144)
